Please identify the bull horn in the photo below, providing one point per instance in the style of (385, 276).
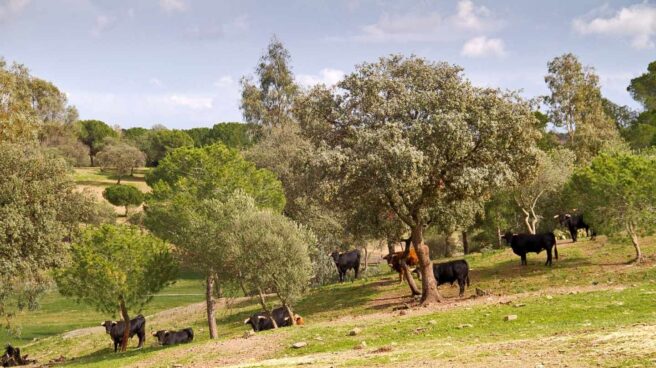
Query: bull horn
(286, 318)
(102, 324)
(567, 215)
(247, 320)
(556, 216)
(154, 334)
(262, 317)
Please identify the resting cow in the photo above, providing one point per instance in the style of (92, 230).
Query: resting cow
(346, 261)
(452, 271)
(394, 260)
(260, 321)
(165, 337)
(526, 243)
(116, 329)
(573, 224)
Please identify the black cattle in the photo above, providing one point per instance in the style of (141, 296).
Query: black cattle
(166, 337)
(346, 261)
(116, 329)
(573, 223)
(452, 271)
(260, 321)
(12, 358)
(527, 243)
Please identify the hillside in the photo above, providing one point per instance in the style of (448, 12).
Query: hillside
(591, 308)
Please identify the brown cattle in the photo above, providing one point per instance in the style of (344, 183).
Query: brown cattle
(394, 260)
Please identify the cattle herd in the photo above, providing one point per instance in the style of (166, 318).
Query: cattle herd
(445, 273)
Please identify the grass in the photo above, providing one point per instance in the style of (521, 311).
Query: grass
(590, 308)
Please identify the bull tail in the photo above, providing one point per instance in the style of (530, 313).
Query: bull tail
(555, 244)
(467, 279)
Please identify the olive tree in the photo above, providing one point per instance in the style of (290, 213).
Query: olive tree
(117, 266)
(121, 158)
(193, 201)
(407, 135)
(36, 192)
(553, 169)
(618, 192)
(272, 253)
(124, 196)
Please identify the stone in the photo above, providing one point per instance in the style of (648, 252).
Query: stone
(549, 297)
(510, 317)
(249, 333)
(519, 305)
(403, 313)
(360, 346)
(465, 325)
(355, 331)
(300, 344)
(480, 292)
(432, 322)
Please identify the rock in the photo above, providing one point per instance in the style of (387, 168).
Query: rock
(360, 346)
(318, 338)
(595, 282)
(519, 305)
(355, 331)
(510, 317)
(176, 366)
(300, 344)
(480, 292)
(465, 325)
(549, 297)
(383, 349)
(539, 365)
(403, 313)
(249, 333)
(419, 330)
(432, 322)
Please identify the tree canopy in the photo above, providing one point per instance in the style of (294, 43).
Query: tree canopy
(121, 158)
(124, 196)
(93, 133)
(643, 88)
(410, 135)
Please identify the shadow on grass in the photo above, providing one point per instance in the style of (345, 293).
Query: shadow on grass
(107, 355)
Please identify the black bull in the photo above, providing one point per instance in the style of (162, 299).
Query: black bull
(116, 330)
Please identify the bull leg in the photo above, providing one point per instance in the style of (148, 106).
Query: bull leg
(357, 270)
(548, 263)
(524, 263)
(574, 233)
(461, 284)
(142, 339)
(116, 345)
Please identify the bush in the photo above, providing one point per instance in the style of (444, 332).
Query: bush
(124, 196)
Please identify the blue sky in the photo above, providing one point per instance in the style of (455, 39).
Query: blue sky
(178, 62)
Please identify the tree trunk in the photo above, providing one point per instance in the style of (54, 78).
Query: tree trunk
(126, 321)
(209, 299)
(126, 211)
(428, 285)
(290, 313)
(91, 158)
(218, 290)
(390, 246)
(119, 180)
(527, 221)
(636, 243)
(132, 171)
(366, 257)
(241, 283)
(446, 246)
(498, 237)
(465, 243)
(266, 309)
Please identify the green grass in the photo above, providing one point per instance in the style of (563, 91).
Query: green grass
(591, 291)
(94, 177)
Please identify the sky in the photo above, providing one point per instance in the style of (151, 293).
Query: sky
(179, 62)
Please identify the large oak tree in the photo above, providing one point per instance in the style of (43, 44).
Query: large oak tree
(409, 135)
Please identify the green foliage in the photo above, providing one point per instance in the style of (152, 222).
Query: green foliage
(124, 196)
(198, 135)
(136, 136)
(270, 101)
(62, 139)
(162, 141)
(234, 135)
(575, 103)
(121, 158)
(272, 253)
(642, 133)
(93, 133)
(214, 171)
(27, 103)
(643, 88)
(116, 262)
(36, 192)
(618, 193)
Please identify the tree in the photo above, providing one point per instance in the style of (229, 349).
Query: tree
(136, 136)
(193, 190)
(643, 88)
(62, 139)
(233, 135)
(162, 141)
(198, 135)
(117, 265)
(93, 133)
(36, 192)
(122, 158)
(575, 103)
(124, 196)
(270, 102)
(553, 169)
(273, 254)
(28, 102)
(407, 135)
(618, 193)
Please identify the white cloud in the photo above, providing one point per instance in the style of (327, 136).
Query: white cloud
(10, 8)
(326, 76)
(191, 102)
(429, 25)
(636, 22)
(156, 82)
(171, 6)
(102, 24)
(216, 31)
(225, 81)
(483, 46)
(131, 13)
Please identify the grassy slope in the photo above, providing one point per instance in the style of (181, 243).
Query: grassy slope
(590, 308)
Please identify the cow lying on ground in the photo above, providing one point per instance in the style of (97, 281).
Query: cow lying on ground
(260, 321)
(116, 329)
(12, 358)
(394, 260)
(346, 261)
(452, 271)
(166, 337)
(526, 243)
(573, 223)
